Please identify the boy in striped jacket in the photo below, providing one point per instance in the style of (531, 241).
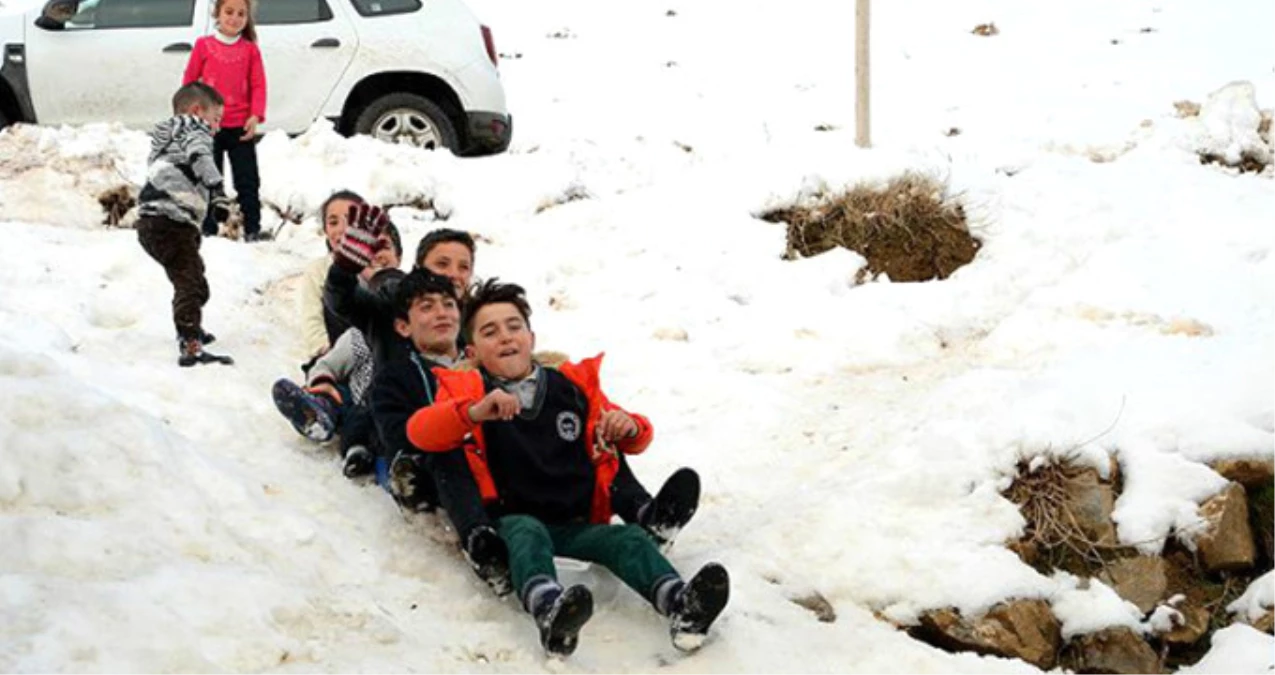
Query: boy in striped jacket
(182, 184)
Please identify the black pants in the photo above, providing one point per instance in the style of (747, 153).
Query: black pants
(458, 491)
(176, 246)
(243, 167)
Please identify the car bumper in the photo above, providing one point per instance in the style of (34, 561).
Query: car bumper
(489, 133)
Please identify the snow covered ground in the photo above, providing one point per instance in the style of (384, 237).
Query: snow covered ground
(853, 439)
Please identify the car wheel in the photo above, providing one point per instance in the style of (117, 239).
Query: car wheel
(408, 119)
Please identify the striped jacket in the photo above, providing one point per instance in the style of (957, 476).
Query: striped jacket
(181, 176)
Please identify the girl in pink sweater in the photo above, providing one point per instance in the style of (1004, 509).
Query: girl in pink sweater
(230, 62)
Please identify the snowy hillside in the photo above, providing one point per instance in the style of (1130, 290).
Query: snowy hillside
(854, 439)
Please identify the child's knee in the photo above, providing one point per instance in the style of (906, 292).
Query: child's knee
(632, 538)
(521, 526)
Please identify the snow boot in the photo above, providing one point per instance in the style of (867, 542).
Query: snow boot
(410, 482)
(191, 352)
(358, 461)
(674, 505)
(560, 616)
(696, 605)
(489, 557)
(312, 416)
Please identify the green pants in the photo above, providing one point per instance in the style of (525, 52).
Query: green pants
(626, 550)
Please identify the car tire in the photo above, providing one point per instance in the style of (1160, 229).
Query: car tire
(409, 119)
(4, 121)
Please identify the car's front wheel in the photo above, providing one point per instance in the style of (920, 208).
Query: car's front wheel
(408, 119)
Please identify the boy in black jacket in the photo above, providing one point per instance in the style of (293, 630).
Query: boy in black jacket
(542, 445)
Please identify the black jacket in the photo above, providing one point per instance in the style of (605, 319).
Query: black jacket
(372, 313)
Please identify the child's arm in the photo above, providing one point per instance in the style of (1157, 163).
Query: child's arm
(353, 303)
(199, 155)
(631, 439)
(195, 65)
(257, 86)
(441, 426)
(314, 331)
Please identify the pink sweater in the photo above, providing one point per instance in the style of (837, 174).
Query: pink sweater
(236, 72)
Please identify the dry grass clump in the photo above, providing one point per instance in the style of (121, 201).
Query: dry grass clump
(907, 229)
(117, 202)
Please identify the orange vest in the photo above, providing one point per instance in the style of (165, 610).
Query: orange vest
(445, 425)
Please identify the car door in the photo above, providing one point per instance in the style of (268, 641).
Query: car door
(306, 46)
(115, 61)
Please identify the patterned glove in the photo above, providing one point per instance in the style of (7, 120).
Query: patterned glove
(362, 238)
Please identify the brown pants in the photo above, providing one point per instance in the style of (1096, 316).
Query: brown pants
(176, 246)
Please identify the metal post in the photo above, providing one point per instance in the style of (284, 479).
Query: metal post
(861, 80)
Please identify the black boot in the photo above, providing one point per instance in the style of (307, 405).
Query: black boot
(358, 461)
(190, 351)
(665, 516)
(696, 605)
(489, 557)
(410, 482)
(560, 616)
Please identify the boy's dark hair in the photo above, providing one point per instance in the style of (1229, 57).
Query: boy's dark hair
(196, 93)
(441, 236)
(492, 292)
(417, 283)
(397, 240)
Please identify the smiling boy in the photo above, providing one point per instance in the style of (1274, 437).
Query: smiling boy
(544, 452)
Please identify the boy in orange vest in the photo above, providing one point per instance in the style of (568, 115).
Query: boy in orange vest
(543, 447)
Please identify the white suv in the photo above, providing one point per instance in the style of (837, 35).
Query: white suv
(406, 71)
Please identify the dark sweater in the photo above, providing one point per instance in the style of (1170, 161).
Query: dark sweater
(372, 313)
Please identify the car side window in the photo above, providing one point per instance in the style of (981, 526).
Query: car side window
(133, 14)
(382, 7)
(292, 11)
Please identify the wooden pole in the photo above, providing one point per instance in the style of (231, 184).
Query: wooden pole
(862, 137)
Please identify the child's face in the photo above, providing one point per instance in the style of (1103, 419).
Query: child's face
(232, 17)
(453, 260)
(210, 114)
(336, 220)
(502, 341)
(386, 257)
(433, 322)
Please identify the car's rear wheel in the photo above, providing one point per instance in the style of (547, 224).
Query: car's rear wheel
(408, 119)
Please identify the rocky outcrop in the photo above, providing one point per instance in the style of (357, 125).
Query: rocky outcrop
(1022, 629)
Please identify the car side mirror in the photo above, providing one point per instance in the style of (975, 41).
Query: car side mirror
(56, 13)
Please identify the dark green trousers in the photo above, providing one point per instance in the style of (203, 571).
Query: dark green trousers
(626, 550)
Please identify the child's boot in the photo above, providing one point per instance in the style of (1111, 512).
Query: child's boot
(190, 351)
(358, 461)
(696, 605)
(312, 416)
(560, 614)
(489, 557)
(674, 505)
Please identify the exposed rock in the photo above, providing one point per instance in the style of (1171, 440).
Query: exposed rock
(1195, 623)
(1227, 542)
(1266, 623)
(1251, 472)
(1091, 502)
(1143, 580)
(1023, 629)
(819, 605)
(1114, 650)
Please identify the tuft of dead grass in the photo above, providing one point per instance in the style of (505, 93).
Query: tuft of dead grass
(117, 202)
(986, 29)
(906, 229)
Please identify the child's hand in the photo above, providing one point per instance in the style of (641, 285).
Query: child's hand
(362, 238)
(615, 425)
(326, 389)
(250, 129)
(496, 405)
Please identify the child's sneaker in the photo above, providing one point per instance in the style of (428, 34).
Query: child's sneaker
(697, 605)
(358, 461)
(312, 416)
(674, 505)
(560, 618)
(191, 352)
(489, 556)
